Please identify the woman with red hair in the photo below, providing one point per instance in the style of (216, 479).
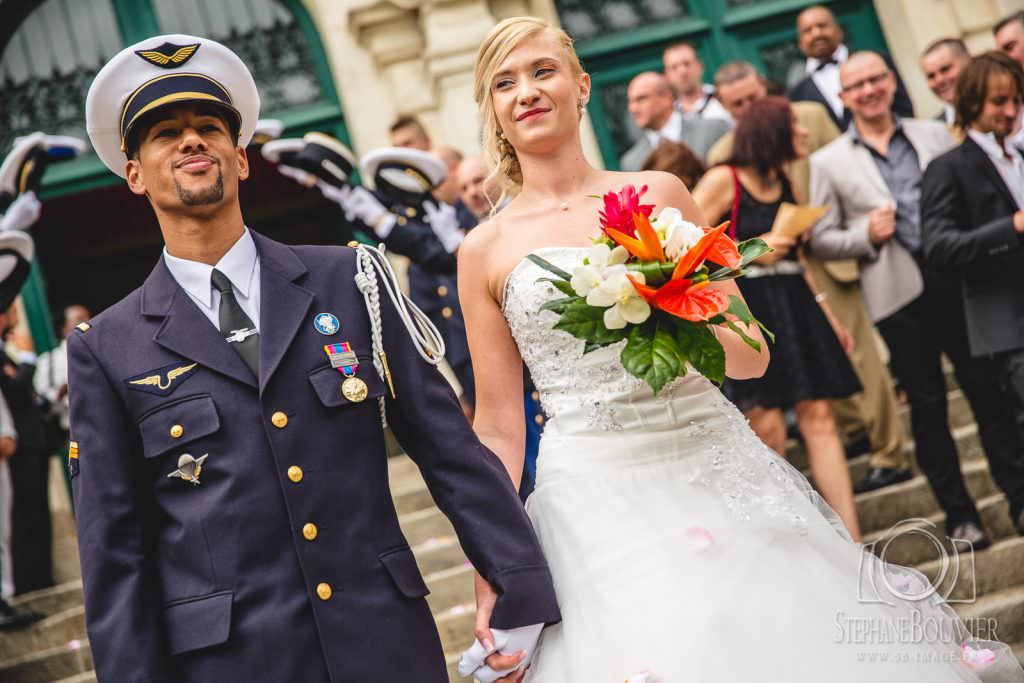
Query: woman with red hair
(809, 365)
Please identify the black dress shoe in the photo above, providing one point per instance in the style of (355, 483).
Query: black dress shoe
(11, 619)
(969, 531)
(878, 477)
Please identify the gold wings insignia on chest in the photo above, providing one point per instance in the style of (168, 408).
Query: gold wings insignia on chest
(179, 56)
(158, 381)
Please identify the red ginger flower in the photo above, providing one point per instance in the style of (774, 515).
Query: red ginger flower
(620, 207)
(683, 299)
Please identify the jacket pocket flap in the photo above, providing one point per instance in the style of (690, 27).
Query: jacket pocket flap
(196, 623)
(177, 423)
(401, 565)
(327, 383)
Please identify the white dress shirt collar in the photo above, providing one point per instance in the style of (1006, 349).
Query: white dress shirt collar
(238, 264)
(672, 130)
(841, 54)
(1006, 160)
(949, 114)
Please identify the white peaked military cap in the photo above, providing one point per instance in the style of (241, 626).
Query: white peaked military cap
(20, 169)
(16, 251)
(267, 130)
(328, 158)
(160, 71)
(282, 151)
(408, 170)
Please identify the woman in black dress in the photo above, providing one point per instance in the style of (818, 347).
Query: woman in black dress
(809, 365)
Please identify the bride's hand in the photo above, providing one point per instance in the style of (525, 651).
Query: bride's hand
(486, 598)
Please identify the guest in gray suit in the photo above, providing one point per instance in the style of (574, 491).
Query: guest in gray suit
(870, 178)
(653, 111)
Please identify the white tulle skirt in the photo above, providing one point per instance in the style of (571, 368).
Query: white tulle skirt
(693, 551)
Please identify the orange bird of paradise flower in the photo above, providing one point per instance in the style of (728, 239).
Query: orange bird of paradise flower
(646, 246)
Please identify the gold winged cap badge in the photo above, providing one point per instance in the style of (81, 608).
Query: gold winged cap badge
(158, 381)
(160, 58)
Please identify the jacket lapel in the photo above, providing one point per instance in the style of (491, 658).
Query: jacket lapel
(863, 158)
(185, 330)
(283, 304)
(980, 161)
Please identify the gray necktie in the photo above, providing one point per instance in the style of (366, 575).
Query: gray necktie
(235, 325)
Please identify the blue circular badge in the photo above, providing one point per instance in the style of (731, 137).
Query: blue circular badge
(326, 323)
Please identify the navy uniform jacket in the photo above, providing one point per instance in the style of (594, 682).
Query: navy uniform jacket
(286, 562)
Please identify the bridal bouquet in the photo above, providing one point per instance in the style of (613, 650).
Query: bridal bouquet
(646, 281)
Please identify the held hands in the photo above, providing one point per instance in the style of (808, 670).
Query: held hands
(1018, 222)
(882, 224)
(781, 246)
(491, 658)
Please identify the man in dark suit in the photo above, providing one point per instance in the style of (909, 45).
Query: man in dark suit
(227, 453)
(821, 40)
(972, 208)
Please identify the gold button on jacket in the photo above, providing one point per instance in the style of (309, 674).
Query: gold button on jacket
(446, 312)
(177, 431)
(309, 531)
(295, 473)
(279, 419)
(442, 290)
(323, 591)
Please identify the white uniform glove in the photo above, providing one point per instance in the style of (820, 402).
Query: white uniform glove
(359, 203)
(298, 175)
(524, 638)
(444, 221)
(22, 213)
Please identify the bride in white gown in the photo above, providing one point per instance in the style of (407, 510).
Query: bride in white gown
(678, 542)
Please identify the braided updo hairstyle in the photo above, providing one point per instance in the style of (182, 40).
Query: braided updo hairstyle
(498, 152)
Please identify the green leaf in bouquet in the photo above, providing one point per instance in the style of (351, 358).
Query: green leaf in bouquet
(587, 323)
(651, 354)
(752, 343)
(561, 285)
(698, 345)
(559, 305)
(738, 307)
(549, 266)
(751, 249)
(655, 273)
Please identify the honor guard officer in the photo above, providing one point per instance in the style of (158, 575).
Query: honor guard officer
(403, 204)
(233, 510)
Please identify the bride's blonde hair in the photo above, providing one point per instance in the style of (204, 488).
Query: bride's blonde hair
(503, 38)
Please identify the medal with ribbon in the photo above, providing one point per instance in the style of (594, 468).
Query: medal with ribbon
(344, 359)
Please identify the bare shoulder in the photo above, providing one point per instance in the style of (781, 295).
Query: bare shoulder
(717, 177)
(662, 188)
(480, 239)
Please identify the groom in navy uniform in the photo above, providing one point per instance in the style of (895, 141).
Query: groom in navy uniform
(230, 478)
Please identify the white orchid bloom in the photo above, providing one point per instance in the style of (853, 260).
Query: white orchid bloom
(616, 294)
(680, 235)
(599, 258)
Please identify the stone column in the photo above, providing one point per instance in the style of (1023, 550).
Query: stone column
(911, 25)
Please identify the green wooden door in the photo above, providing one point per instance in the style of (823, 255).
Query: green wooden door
(618, 39)
(50, 50)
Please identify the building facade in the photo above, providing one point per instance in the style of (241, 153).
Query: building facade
(349, 67)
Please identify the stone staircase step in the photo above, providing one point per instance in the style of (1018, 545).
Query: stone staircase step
(913, 543)
(456, 627)
(48, 665)
(425, 524)
(1001, 611)
(882, 508)
(437, 554)
(450, 587)
(84, 677)
(51, 600)
(411, 496)
(55, 630)
(971, 575)
(401, 468)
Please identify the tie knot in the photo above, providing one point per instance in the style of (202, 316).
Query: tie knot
(221, 282)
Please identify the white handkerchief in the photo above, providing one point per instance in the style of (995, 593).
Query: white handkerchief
(506, 642)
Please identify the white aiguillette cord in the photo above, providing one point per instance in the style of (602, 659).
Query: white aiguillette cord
(371, 261)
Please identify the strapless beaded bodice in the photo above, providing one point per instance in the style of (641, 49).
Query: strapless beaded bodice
(588, 392)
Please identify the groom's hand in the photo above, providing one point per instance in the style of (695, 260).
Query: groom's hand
(485, 601)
